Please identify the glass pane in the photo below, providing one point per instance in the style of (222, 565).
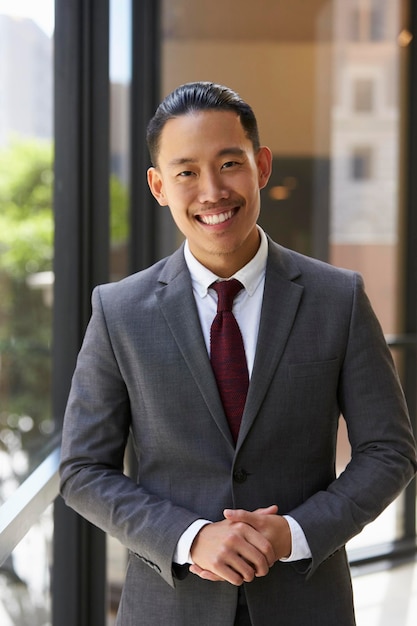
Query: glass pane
(26, 235)
(25, 578)
(365, 130)
(120, 78)
(26, 282)
(325, 83)
(120, 73)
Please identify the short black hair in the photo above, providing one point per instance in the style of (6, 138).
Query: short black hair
(200, 96)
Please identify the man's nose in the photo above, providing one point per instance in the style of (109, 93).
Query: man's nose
(212, 188)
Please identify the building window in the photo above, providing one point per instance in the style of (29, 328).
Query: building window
(361, 163)
(368, 24)
(377, 24)
(355, 25)
(363, 95)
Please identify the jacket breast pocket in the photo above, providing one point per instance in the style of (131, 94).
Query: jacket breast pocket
(314, 369)
(311, 394)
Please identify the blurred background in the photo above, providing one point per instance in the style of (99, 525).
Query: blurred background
(331, 84)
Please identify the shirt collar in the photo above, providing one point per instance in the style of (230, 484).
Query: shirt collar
(250, 275)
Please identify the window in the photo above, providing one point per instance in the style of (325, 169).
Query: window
(355, 25)
(26, 291)
(361, 163)
(368, 24)
(363, 95)
(377, 25)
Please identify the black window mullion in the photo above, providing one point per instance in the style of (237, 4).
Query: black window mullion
(410, 284)
(81, 203)
(145, 91)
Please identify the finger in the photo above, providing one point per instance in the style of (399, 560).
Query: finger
(243, 516)
(255, 549)
(257, 532)
(205, 574)
(241, 557)
(259, 564)
(270, 510)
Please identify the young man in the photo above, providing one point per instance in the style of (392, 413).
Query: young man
(242, 522)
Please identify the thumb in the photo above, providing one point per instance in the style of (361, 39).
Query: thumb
(235, 514)
(270, 510)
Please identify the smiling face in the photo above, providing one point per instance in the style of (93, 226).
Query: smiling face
(210, 177)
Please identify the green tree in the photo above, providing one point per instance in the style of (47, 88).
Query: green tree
(26, 247)
(26, 220)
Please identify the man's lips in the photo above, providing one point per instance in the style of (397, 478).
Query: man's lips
(211, 219)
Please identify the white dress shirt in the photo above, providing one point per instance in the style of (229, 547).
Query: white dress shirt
(247, 310)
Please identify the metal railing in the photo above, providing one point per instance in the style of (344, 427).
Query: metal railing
(23, 508)
(406, 341)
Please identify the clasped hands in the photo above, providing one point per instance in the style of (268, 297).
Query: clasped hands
(242, 546)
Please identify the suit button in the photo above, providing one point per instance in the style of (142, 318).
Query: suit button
(240, 475)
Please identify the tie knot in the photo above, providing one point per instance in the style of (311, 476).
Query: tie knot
(226, 292)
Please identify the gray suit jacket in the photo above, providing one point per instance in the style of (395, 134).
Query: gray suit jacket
(144, 368)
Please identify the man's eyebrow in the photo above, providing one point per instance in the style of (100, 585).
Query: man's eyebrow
(232, 151)
(181, 161)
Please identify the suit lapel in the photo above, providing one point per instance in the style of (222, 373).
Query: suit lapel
(178, 306)
(279, 308)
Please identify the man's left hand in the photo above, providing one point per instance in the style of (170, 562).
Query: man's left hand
(273, 527)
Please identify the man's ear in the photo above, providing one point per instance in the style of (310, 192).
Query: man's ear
(264, 163)
(156, 186)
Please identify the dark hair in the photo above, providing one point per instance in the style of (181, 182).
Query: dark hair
(200, 96)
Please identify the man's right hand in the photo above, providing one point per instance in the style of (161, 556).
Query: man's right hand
(231, 551)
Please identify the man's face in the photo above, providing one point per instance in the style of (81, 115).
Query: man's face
(210, 177)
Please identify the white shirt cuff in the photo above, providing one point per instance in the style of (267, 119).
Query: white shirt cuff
(182, 551)
(300, 547)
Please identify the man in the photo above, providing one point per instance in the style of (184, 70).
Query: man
(249, 527)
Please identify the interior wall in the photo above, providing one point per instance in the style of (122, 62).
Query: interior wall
(277, 79)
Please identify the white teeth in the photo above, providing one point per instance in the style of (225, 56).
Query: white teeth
(216, 219)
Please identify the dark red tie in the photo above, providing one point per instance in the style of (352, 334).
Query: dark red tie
(227, 355)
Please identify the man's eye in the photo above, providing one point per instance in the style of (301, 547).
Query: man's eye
(185, 173)
(229, 164)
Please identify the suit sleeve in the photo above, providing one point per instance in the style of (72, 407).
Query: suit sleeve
(383, 448)
(95, 434)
